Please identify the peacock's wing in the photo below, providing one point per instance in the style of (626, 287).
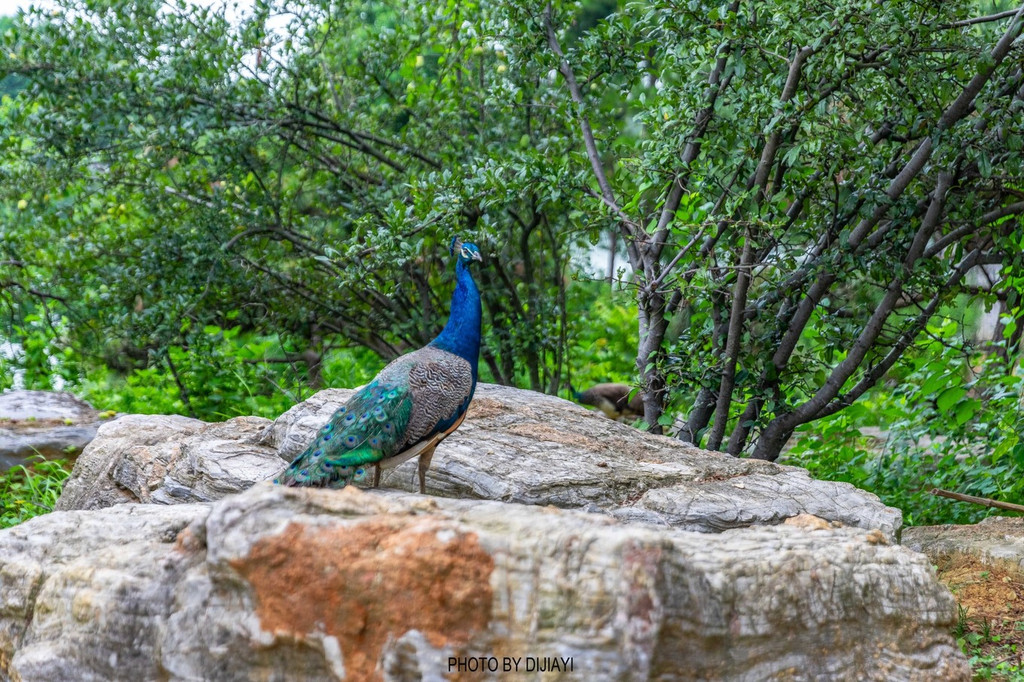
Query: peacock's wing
(441, 385)
(370, 427)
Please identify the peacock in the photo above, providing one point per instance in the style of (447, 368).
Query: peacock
(413, 404)
(612, 399)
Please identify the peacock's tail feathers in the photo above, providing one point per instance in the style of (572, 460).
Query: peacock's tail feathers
(370, 427)
(322, 476)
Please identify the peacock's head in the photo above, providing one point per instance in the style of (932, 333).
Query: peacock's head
(466, 251)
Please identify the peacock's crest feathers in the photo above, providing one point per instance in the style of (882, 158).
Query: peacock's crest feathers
(466, 251)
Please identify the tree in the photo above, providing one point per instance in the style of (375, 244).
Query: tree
(12, 84)
(800, 188)
(179, 169)
(805, 188)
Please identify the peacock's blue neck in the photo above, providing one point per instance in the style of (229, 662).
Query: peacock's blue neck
(461, 335)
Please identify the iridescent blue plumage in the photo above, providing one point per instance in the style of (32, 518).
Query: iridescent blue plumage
(409, 407)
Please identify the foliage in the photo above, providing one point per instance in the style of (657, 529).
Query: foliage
(601, 328)
(990, 658)
(217, 210)
(11, 84)
(947, 421)
(215, 382)
(222, 374)
(300, 181)
(30, 490)
(800, 192)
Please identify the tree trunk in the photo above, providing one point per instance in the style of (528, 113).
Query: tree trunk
(700, 415)
(650, 356)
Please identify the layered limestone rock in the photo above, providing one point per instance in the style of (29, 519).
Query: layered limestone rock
(169, 459)
(43, 423)
(555, 544)
(997, 541)
(515, 446)
(279, 584)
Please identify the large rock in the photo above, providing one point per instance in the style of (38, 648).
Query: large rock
(787, 578)
(997, 541)
(168, 459)
(50, 424)
(983, 565)
(515, 446)
(279, 584)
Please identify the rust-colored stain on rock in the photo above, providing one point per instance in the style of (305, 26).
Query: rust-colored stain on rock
(371, 581)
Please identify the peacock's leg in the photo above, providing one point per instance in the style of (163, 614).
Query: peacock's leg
(424, 465)
(376, 475)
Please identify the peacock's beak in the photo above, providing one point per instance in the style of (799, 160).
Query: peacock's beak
(477, 256)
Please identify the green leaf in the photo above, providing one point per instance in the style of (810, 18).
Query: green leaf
(934, 383)
(966, 410)
(950, 397)
(1017, 454)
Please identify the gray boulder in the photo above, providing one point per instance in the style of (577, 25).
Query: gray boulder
(286, 584)
(554, 539)
(515, 446)
(46, 423)
(168, 459)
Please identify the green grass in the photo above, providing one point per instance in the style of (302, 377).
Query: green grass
(992, 657)
(30, 490)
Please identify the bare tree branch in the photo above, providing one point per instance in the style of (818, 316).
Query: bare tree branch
(780, 427)
(878, 370)
(607, 194)
(716, 85)
(732, 344)
(980, 20)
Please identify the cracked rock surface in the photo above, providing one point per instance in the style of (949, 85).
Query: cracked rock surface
(281, 584)
(550, 534)
(515, 446)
